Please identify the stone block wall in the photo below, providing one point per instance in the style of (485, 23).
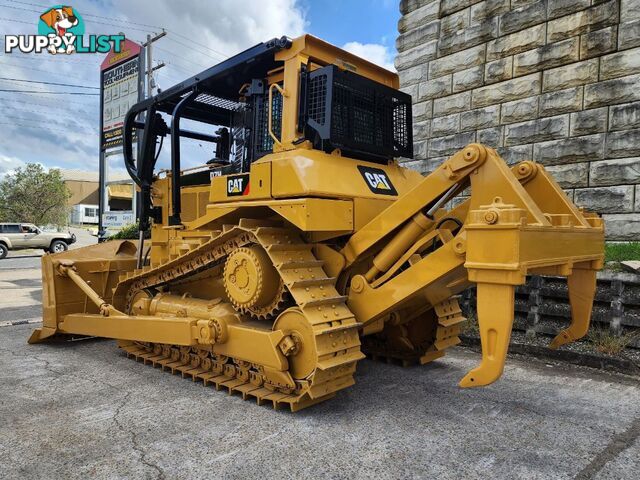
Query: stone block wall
(556, 81)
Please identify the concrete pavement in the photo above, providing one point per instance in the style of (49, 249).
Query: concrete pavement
(21, 282)
(21, 293)
(82, 408)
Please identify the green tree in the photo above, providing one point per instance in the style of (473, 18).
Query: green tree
(32, 195)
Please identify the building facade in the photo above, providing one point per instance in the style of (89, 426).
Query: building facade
(84, 188)
(82, 185)
(556, 81)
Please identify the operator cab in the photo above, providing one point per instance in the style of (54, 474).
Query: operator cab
(279, 95)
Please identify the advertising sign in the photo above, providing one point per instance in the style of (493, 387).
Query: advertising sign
(117, 219)
(120, 78)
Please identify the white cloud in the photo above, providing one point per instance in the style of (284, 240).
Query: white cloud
(9, 164)
(226, 27)
(374, 52)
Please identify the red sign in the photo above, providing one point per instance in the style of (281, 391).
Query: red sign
(129, 49)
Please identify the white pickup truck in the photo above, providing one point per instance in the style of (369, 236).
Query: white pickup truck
(21, 236)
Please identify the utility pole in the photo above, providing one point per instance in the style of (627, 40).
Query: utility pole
(150, 68)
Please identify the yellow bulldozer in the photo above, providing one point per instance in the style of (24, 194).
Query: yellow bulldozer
(302, 244)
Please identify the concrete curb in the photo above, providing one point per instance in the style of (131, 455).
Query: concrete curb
(591, 360)
(24, 321)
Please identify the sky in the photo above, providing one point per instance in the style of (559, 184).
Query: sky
(62, 130)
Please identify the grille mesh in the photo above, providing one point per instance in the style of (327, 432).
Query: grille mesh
(264, 142)
(217, 101)
(318, 98)
(359, 115)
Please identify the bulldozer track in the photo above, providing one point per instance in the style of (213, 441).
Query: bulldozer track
(445, 337)
(334, 327)
(447, 323)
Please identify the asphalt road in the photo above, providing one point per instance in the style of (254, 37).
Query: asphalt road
(31, 257)
(82, 409)
(20, 280)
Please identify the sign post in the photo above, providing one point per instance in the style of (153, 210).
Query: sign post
(121, 86)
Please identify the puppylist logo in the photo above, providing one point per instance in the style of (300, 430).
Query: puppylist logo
(61, 30)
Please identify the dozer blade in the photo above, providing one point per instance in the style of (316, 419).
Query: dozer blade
(100, 265)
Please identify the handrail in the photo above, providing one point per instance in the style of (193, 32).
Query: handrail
(174, 218)
(283, 92)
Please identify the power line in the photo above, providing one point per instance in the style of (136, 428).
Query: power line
(71, 114)
(177, 55)
(13, 20)
(141, 25)
(173, 32)
(14, 103)
(172, 53)
(48, 83)
(86, 59)
(21, 67)
(191, 47)
(47, 93)
(180, 66)
(9, 103)
(169, 62)
(36, 127)
(17, 102)
(173, 75)
(177, 62)
(73, 121)
(91, 15)
(94, 21)
(18, 84)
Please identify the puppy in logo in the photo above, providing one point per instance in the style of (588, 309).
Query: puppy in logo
(60, 20)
